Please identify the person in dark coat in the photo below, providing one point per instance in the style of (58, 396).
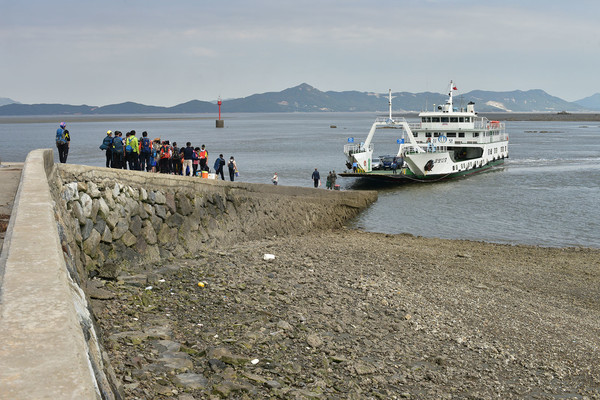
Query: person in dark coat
(316, 177)
(219, 164)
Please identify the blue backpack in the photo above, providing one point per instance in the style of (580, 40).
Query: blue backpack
(60, 136)
(145, 145)
(118, 144)
(106, 143)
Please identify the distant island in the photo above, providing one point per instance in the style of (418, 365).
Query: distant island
(306, 98)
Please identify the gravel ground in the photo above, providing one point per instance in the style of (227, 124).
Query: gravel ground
(352, 315)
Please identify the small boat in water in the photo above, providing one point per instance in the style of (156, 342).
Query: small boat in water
(447, 143)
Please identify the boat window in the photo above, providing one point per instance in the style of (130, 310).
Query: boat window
(416, 134)
(461, 134)
(461, 119)
(435, 119)
(475, 134)
(467, 119)
(436, 134)
(444, 119)
(423, 119)
(451, 134)
(428, 119)
(427, 134)
(453, 119)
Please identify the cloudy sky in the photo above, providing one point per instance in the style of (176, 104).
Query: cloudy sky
(169, 52)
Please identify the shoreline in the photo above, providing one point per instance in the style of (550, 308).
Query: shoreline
(352, 314)
(508, 116)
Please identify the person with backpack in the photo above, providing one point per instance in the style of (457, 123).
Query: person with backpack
(132, 150)
(176, 160)
(145, 152)
(155, 155)
(203, 155)
(196, 161)
(117, 151)
(63, 141)
(165, 157)
(232, 166)
(219, 164)
(107, 146)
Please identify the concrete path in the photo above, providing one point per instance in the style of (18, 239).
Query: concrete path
(10, 176)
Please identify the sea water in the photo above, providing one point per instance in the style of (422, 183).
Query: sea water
(547, 193)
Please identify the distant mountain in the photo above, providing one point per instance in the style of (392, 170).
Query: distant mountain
(6, 100)
(44, 109)
(592, 102)
(305, 98)
(519, 101)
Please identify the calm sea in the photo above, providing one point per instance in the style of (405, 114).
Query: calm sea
(547, 193)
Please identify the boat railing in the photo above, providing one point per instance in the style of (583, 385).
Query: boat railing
(387, 122)
(350, 149)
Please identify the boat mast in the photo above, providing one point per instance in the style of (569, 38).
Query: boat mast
(390, 102)
(450, 96)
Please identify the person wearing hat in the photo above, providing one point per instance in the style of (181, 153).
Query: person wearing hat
(63, 140)
(107, 145)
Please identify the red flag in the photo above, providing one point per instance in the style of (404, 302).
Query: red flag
(454, 88)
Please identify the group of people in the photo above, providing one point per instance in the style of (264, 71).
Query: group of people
(329, 183)
(161, 156)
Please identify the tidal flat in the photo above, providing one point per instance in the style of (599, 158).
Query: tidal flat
(358, 315)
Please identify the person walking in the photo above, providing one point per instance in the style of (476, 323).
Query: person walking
(232, 166)
(63, 141)
(316, 178)
(333, 179)
(275, 179)
(218, 166)
(187, 153)
(107, 146)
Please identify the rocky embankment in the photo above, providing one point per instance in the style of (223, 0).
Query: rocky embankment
(348, 314)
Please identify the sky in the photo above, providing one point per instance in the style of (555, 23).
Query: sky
(169, 52)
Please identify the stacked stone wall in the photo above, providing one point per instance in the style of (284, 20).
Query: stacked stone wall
(109, 218)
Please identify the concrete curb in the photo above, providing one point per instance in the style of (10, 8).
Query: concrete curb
(43, 352)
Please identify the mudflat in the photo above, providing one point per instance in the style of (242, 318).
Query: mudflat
(10, 176)
(350, 314)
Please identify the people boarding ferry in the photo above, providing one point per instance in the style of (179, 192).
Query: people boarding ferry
(446, 143)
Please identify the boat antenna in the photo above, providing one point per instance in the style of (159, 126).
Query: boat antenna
(390, 102)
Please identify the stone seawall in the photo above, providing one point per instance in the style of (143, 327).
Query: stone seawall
(97, 221)
(111, 217)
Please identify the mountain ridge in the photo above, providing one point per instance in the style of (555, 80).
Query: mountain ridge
(306, 98)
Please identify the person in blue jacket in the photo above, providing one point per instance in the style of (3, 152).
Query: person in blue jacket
(219, 164)
(106, 145)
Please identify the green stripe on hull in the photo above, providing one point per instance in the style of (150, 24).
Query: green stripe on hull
(409, 176)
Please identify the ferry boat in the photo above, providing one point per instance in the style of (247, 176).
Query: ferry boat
(447, 143)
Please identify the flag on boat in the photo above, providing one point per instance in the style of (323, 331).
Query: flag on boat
(454, 88)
